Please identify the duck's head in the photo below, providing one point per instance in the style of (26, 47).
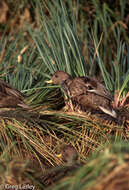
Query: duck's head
(59, 77)
(68, 154)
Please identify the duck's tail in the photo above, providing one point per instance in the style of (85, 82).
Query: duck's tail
(109, 111)
(23, 105)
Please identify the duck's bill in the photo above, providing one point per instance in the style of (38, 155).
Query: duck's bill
(59, 155)
(49, 81)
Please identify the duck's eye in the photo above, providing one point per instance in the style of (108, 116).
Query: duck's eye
(90, 87)
(56, 76)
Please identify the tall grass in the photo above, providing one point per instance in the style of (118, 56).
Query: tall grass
(61, 49)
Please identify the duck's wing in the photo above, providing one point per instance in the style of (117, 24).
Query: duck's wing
(7, 89)
(94, 103)
(94, 86)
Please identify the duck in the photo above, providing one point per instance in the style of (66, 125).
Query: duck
(10, 97)
(69, 156)
(86, 93)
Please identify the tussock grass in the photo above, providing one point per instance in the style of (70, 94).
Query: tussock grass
(37, 136)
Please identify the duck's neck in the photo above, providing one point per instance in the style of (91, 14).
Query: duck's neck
(65, 85)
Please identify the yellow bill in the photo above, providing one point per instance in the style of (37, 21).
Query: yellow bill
(49, 81)
(59, 155)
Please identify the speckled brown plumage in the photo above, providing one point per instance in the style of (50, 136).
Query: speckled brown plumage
(10, 97)
(86, 93)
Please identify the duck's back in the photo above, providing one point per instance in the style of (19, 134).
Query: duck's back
(77, 87)
(7, 89)
(10, 97)
(83, 85)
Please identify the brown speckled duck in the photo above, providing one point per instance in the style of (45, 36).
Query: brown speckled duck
(86, 93)
(11, 97)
